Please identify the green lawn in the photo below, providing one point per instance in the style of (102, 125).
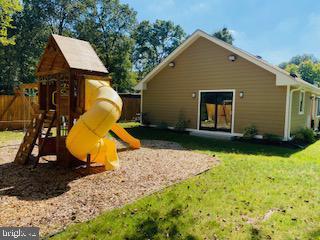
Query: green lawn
(257, 192)
(6, 136)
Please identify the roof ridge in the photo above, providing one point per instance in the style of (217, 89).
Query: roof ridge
(236, 50)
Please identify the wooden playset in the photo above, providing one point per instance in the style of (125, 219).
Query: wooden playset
(71, 81)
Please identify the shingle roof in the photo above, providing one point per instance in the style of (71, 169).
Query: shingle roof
(79, 54)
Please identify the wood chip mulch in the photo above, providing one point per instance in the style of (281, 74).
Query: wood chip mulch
(51, 198)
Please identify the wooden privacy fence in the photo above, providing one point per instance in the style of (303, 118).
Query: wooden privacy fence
(131, 106)
(16, 111)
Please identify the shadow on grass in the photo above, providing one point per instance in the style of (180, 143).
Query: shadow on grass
(163, 227)
(210, 144)
(315, 234)
(255, 234)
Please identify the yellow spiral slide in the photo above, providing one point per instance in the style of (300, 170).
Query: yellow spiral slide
(90, 134)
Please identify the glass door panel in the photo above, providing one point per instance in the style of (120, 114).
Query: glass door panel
(224, 109)
(207, 111)
(216, 111)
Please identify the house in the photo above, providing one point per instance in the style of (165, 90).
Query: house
(220, 89)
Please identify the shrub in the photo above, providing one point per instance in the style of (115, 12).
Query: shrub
(271, 137)
(182, 124)
(163, 125)
(304, 136)
(250, 132)
(145, 119)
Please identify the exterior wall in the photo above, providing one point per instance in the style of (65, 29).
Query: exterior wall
(317, 118)
(205, 66)
(303, 120)
(300, 120)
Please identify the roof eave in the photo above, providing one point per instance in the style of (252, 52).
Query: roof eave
(282, 77)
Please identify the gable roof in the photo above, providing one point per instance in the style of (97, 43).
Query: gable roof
(283, 78)
(78, 54)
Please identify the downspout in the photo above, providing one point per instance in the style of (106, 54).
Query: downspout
(290, 110)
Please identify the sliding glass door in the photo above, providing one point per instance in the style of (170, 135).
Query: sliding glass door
(216, 111)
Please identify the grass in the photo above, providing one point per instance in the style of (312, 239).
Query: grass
(231, 201)
(6, 136)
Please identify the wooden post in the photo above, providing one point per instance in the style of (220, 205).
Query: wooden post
(58, 120)
(88, 163)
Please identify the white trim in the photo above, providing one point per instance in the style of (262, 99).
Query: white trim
(198, 109)
(233, 106)
(141, 100)
(317, 98)
(304, 102)
(217, 133)
(283, 78)
(286, 121)
(212, 133)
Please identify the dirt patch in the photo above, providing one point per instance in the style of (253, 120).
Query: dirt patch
(52, 198)
(264, 218)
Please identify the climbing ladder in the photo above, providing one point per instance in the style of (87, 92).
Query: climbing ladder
(43, 119)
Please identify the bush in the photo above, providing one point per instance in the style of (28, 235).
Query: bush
(304, 136)
(145, 119)
(182, 124)
(250, 132)
(163, 125)
(271, 137)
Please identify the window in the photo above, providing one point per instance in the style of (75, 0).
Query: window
(301, 102)
(318, 107)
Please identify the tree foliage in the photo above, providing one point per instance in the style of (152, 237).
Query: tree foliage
(154, 42)
(108, 25)
(18, 62)
(296, 60)
(128, 49)
(225, 35)
(305, 66)
(64, 14)
(7, 9)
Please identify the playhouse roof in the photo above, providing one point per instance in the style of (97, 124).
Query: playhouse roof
(71, 53)
(79, 54)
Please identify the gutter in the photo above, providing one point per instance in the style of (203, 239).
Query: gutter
(290, 110)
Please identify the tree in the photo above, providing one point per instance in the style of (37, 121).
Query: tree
(225, 35)
(18, 62)
(307, 70)
(64, 14)
(153, 43)
(292, 69)
(299, 59)
(7, 9)
(108, 25)
(306, 66)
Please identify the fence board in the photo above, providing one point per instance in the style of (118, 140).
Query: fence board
(22, 109)
(18, 114)
(131, 106)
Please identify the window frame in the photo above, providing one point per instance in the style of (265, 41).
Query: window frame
(303, 101)
(318, 106)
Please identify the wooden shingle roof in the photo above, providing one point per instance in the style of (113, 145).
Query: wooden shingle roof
(63, 53)
(79, 54)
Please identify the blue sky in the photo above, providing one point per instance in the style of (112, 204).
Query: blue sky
(275, 30)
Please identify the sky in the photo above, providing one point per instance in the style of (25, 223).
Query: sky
(273, 29)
